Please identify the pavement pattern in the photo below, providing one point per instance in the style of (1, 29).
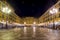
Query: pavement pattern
(29, 33)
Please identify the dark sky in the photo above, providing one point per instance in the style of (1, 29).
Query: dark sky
(33, 8)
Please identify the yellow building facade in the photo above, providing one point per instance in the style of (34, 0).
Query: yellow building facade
(51, 15)
(11, 17)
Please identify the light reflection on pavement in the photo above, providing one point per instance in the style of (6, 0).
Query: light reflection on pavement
(30, 33)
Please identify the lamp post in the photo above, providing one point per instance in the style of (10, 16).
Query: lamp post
(7, 11)
(52, 12)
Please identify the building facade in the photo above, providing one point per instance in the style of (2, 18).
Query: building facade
(8, 17)
(52, 15)
(30, 20)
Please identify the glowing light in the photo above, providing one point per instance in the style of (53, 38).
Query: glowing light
(6, 10)
(53, 11)
(25, 30)
(34, 23)
(3, 22)
(34, 29)
(41, 24)
(24, 22)
(56, 22)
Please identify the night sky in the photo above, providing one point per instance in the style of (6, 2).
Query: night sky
(31, 8)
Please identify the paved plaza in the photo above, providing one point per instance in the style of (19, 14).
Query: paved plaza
(29, 33)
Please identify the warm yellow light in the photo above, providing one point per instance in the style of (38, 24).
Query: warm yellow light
(24, 22)
(34, 23)
(53, 11)
(6, 10)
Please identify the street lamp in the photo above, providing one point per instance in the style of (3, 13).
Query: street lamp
(53, 11)
(7, 11)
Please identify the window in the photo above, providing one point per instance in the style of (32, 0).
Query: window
(59, 4)
(59, 15)
(59, 9)
(0, 16)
